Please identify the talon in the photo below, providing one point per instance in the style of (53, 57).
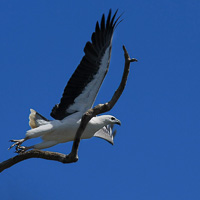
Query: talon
(20, 149)
(17, 143)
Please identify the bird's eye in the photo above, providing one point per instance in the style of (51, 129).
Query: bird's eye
(112, 118)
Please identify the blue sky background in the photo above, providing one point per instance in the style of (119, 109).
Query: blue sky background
(157, 149)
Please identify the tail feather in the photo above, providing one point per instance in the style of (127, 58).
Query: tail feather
(36, 120)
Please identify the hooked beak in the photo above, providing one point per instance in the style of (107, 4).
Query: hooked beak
(118, 122)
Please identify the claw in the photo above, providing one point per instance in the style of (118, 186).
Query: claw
(20, 149)
(17, 143)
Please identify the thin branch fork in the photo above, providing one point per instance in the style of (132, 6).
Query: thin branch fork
(73, 156)
(102, 108)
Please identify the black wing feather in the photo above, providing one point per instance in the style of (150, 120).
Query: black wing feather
(88, 67)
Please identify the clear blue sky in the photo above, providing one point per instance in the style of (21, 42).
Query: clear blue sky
(156, 155)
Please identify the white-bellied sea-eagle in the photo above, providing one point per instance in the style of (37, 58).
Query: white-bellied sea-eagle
(78, 96)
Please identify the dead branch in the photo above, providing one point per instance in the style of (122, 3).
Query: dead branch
(73, 156)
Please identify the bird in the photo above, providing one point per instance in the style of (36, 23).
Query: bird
(78, 96)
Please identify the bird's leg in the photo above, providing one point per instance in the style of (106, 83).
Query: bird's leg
(17, 143)
(22, 149)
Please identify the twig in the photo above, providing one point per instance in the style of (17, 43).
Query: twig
(73, 156)
(102, 108)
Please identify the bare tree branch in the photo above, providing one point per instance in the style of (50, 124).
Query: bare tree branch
(102, 108)
(73, 156)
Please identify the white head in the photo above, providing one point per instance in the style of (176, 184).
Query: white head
(109, 119)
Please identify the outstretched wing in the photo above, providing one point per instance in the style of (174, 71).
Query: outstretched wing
(82, 88)
(106, 133)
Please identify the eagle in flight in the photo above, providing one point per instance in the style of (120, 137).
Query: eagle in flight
(78, 96)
